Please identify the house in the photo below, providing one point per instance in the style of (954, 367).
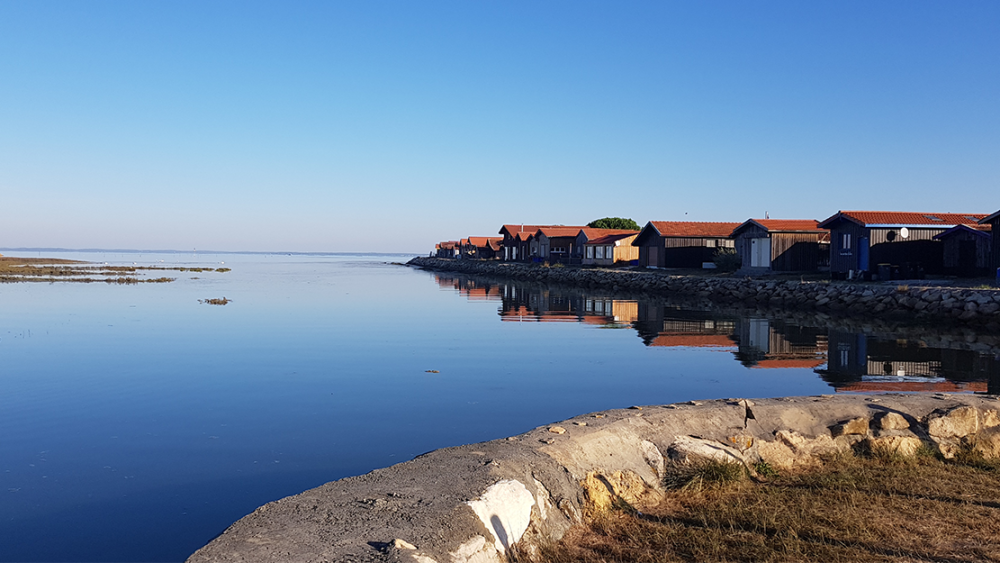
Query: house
(587, 234)
(447, 249)
(994, 222)
(902, 242)
(519, 242)
(610, 249)
(967, 250)
(555, 244)
(483, 248)
(515, 239)
(781, 245)
(675, 244)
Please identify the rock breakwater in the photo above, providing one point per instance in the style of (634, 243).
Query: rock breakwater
(472, 504)
(979, 307)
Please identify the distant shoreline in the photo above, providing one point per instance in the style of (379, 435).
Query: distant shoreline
(252, 252)
(21, 261)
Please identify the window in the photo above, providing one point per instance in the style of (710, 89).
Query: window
(590, 252)
(608, 252)
(845, 242)
(600, 252)
(934, 218)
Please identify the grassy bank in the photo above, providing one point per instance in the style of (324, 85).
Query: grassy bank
(853, 508)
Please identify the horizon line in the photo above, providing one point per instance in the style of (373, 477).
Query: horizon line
(207, 251)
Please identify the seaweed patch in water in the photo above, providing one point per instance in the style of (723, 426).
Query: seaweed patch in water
(216, 301)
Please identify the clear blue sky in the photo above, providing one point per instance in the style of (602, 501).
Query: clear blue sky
(387, 126)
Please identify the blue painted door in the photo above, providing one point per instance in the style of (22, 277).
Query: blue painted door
(863, 254)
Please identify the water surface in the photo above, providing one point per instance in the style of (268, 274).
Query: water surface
(137, 423)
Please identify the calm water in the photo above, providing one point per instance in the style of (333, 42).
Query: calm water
(136, 423)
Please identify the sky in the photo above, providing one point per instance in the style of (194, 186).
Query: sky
(387, 126)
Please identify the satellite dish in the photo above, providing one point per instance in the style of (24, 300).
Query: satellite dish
(904, 232)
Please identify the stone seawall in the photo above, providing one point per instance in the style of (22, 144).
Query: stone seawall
(978, 307)
(471, 504)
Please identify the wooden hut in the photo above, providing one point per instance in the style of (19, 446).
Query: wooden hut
(781, 245)
(967, 250)
(482, 248)
(556, 244)
(519, 243)
(611, 249)
(447, 249)
(681, 244)
(901, 242)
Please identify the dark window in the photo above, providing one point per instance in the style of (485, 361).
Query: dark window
(934, 218)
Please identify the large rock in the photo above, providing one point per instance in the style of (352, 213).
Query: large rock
(894, 442)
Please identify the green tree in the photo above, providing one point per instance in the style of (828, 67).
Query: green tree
(614, 223)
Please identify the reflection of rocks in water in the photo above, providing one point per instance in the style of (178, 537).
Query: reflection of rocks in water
(852, 354)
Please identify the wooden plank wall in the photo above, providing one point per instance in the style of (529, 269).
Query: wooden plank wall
(794, 252)
(839, 261)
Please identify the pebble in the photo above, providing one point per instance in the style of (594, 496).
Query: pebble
(402, 544)
(557, 430)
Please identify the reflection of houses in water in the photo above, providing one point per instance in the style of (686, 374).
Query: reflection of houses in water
(521, 304)
(659, 325)
(474, 290)
(767, 344)
(859, 362)
(854, 362)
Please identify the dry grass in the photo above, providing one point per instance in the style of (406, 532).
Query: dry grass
(853, 509)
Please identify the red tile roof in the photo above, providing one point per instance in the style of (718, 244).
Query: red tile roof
(513, 230)
(693, 229)
(593, 233)
(480, 242)
(693, 341)
(906, 218)
(608, 239)
(788, 225)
